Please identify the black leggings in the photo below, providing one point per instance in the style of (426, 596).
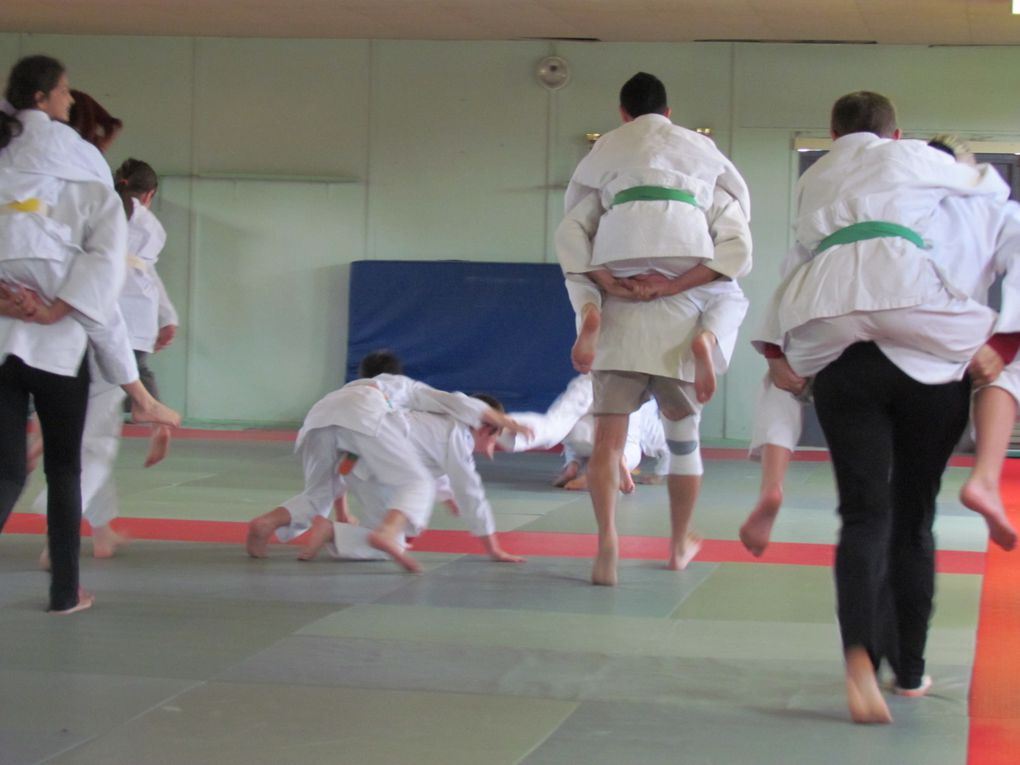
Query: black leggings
(60, 402)
(890, 438)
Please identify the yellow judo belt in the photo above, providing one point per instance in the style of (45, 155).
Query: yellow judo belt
(653, 194)
(27, 205)
(871, 229)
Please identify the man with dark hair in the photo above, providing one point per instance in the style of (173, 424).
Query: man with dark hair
(657, 223)
(865, 310)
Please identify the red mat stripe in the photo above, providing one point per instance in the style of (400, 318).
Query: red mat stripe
(995, 683)
(530, 543)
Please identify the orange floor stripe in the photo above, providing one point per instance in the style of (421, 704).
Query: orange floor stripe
(995, 683)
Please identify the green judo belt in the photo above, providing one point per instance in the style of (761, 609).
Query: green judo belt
(653, 194)
(872, 229)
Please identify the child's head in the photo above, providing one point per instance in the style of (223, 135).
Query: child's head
(92, 121)
(954, 146)
(643, 94)
(486, 435)
(35, 82)
(864, 112)
(135, 179)
(383, 361)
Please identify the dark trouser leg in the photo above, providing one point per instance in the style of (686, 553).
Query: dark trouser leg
(852, 401)
(61, 403)
(14, 397)
(929, 420)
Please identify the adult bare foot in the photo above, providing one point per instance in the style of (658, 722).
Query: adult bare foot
(159, 445)
(390, 546)
(863, 696)
(569, 473)
(105, 541)
(156, 412)
(986, 502)
(85, 600)
(704, 369)
(259, 531)
(318, 535)
(757, 529)
(582, 355)
(682, 555)
(603, 571)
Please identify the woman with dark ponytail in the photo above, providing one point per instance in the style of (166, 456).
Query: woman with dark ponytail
(54, 201)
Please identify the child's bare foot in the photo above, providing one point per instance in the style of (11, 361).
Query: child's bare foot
(757, 529)
(569, 473)
(259, 531)
(577, 484)
(704, 369)
(44, 558)
(159, 445)
(986, 502)
(603, 571)
(85, 600)
(684, 553)
(105, 541)
(156, 412)
(863, 696)
(582, 355)
(390, 546)
(318, 535)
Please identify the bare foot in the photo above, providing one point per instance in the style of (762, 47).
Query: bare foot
(757, 529)
(259, 532)
(863, 696)
(569, 473)
(44, 558)
(389, 546)
(683, 554)
(85, 600)
(159, 445)
(603, 571)
(317, 536)
(704, 369)
(105, 541)
(578, 484)
(156, 412)
(582, 355)
(986, 502)
(626, 479)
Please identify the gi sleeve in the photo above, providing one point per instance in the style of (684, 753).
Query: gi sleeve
(466, 484)
(730, 230)
(96, 275)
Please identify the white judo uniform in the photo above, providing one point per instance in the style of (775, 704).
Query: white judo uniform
(37, 241)
(975, 239)
(885, 289)
(445, 448)
(146, 307)
(664, 236)
(364, 418)
(645, 435)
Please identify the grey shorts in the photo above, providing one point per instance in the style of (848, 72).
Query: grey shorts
(624, 392)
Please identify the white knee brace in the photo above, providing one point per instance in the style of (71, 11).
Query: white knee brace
(684, 446)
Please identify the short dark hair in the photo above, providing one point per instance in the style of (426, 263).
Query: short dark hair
(863, 112)
(381, 362)
(643, 94)
(492, 401)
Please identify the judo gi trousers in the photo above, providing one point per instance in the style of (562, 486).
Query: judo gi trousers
(890, 438)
